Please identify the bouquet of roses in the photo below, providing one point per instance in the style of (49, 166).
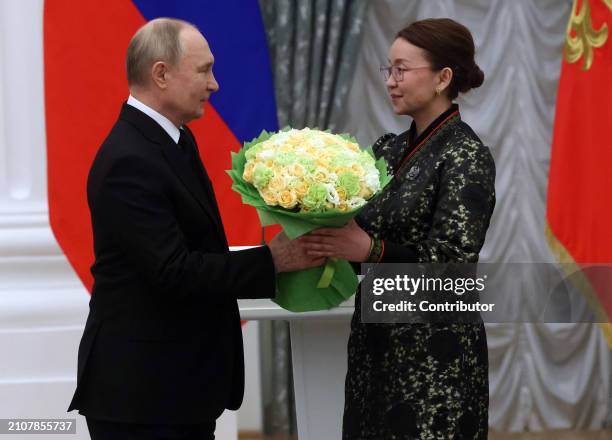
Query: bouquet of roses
(303, 180)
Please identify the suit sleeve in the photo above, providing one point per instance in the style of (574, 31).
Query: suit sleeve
(465, 203)
(137, 210)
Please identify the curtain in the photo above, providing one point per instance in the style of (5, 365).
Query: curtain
(313, 45)
(542, 376)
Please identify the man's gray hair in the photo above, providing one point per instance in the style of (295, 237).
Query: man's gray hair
(158, 40)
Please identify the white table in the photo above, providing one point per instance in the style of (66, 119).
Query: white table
(318, 351)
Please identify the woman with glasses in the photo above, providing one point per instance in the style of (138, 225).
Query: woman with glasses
(426, 380)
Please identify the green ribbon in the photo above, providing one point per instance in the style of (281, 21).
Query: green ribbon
(328, 273)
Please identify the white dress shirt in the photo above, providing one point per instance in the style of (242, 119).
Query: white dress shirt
(164, 122)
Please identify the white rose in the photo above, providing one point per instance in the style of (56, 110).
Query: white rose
(265, 154)
(355, 202)
(372, 180)
(332, 194)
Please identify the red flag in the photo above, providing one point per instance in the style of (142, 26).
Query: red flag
(579, 205)
(84, 53)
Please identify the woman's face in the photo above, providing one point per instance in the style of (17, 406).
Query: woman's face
(417, 88)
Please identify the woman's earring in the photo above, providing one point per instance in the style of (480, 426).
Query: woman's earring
(437, 92)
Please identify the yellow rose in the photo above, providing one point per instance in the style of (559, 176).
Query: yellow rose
(329, 139)
(300, 187)
(357, 169)
(287, 199)
(343, 206)
(322, 162)
(269, 197)
(277, 184)
(297, 170)
(341, 194)
(248, 172)
(320, 175)
(364, 192)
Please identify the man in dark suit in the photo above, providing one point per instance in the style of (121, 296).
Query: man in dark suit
(161, 355)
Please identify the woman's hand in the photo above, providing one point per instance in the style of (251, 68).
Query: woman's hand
(347, 243)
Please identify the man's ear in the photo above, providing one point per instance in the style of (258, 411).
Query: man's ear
(159, 74)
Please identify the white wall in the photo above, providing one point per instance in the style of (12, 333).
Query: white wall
(42, 304)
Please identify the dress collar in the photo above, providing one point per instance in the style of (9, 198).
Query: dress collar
(413, 143)
(414, 140)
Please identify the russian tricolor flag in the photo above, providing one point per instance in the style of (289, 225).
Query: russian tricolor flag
(85, 44)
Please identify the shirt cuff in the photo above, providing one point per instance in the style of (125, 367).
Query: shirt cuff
(398, 253)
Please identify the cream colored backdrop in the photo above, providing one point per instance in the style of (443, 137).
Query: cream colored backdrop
(541, 376)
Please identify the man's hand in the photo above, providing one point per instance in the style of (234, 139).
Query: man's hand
(289, 255)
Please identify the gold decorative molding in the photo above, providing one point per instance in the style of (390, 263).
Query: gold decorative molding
(586, 38)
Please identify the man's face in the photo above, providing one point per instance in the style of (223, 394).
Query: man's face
(191, 81)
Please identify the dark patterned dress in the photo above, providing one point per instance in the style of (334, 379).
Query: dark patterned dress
(424, 381)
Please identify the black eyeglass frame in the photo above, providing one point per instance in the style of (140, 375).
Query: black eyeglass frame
(398, 71)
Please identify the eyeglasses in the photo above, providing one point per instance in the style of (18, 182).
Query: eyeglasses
(397, 71)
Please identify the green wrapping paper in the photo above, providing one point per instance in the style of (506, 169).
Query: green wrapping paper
(318, 288)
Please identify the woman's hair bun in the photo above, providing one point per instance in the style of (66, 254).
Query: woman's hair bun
(475, 77)
(447, 43)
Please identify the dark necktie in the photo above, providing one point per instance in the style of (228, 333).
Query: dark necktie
(186, 147)
(189, 149)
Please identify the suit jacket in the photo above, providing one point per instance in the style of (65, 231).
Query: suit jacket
(162, 342)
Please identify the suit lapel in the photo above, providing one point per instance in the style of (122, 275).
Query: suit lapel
(175, 158)
(186, 174)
